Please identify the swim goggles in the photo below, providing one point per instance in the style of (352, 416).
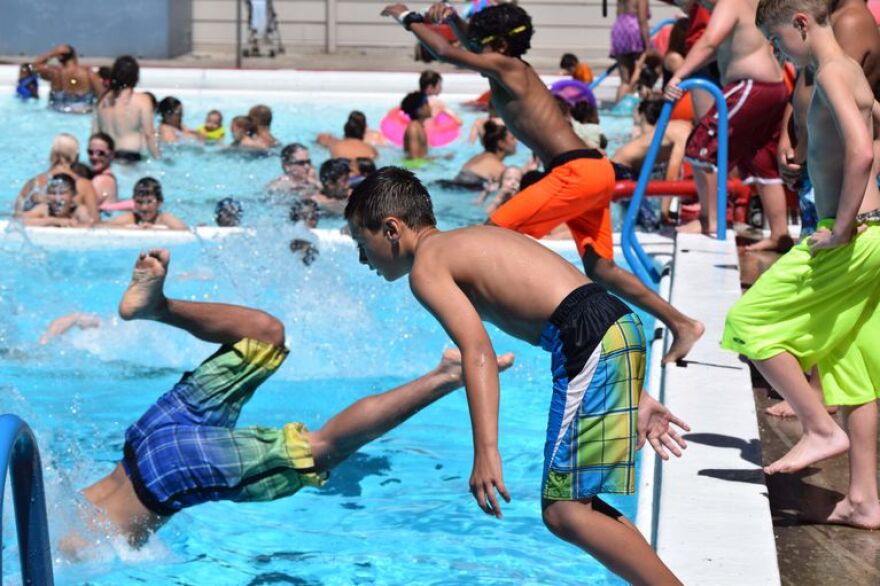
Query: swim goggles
(515, 31)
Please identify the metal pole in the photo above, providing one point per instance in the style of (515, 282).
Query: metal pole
(331, 26)
(238, 33)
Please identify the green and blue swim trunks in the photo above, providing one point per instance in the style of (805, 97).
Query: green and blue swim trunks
(598, 363)
(185, 450)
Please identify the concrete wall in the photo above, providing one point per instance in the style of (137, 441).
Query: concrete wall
(97, 28)
(560, 25)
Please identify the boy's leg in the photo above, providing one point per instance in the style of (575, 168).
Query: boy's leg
(604, 533)
(774, 204)
(822, 437)
(212, 322)
(373, 416)
(860, 508)
(707, 183)
(685, 331)
(783, 409)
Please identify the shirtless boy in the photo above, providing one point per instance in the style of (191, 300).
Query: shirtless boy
(598, 413)
(352, 144)
(756, 97)
(817, 305)
(174, 454)
(59, 210)
(147, 211)
(415, 138)
(74, 87)
(579, 184)
(126, 115)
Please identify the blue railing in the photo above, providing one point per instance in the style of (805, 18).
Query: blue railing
(604, 75)
(639, 261)
(19, 453)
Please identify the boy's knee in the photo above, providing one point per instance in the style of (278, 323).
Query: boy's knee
(553, 518)
(270, 330)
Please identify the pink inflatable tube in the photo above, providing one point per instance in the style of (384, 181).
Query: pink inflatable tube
(442, 129)
(124, 205)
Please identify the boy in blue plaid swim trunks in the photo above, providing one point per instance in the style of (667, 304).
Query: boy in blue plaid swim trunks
(185, 450)
(598, 415)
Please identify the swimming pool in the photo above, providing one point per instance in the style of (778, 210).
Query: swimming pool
(398, 512)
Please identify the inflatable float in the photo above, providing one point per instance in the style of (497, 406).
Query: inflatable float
(123, 205)
(441, 129)
(573, 91)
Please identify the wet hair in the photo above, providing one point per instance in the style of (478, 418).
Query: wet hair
(106, 138)
(104, 74)
(411, 104)
(70, 54)
(125, 73)
(585, 112)
(529, 178)
(148, 184)
(261, 115)
(772, 12)
(564, 106)
(26, 68)
(308, 249)
(333, 170)
(358, 116)
(65, 149)
(502, 23)
(568, 61)
(301, 208)
(231, 207)
(167, 107)
(650, 108)
(428, 78)
(493, 134)
(217, 112)
(354, 128)
(245, 122)
(82, 170)
(289, 151)
(390, 191)
(65, 178)
(648, 77)
(365, 166)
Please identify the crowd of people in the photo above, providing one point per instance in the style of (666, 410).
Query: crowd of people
(814, 311)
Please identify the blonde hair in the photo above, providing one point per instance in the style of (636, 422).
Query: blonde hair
(65, 150)
(771, 12)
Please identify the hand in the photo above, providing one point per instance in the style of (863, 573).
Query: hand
(439, 12)
(394, 10)
(486, 478)
(824, 239)
(61, 49)
(672, 92)
(654, 425)
(788, 168)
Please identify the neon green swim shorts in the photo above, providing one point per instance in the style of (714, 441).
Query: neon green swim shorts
(822, 310)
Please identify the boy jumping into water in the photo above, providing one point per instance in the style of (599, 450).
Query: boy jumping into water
(579, 183)
(817, 305)
(185, 450)
(599, 415)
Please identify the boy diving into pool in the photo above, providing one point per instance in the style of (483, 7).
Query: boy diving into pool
(185, 450)
(599, 415)
(579, 183)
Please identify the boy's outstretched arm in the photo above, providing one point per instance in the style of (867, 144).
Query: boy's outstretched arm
(443, 12)
(443, 50)
(858, 158)
(440, 295)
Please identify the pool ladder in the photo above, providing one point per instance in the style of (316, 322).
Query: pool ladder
(19, 453)
(639, 261)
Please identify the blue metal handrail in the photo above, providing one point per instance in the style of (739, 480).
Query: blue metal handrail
(19, 452)
(639, 261)
(604, 75)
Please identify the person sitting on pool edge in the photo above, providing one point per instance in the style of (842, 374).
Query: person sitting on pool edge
(59, 210)
(186, 450)
(147, 212)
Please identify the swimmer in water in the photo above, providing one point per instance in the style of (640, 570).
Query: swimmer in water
(299, 173)
(174, 454)
(171, 128)
(228, 213)
(147, 212)
(212, 130)
(60, 209)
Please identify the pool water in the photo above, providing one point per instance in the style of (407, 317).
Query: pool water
(398, 512)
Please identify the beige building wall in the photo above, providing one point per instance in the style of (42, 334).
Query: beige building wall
(560, 25)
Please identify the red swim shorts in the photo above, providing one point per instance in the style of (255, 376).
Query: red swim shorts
(577, 193)
(754, 114)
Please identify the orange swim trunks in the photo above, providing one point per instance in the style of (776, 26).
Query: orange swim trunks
(575, 191)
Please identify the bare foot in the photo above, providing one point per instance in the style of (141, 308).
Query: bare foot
(784, 410)
(781, 244)
(144, 297)
(683, 340)
(811, 448)
(692, 227)
(845, 512)
(450, 364)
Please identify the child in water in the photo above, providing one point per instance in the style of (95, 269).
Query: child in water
(212, 130)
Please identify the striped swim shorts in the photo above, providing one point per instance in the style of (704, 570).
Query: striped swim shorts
(185, 450)
(598, 362)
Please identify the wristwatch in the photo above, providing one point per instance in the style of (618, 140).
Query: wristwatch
(409, 18)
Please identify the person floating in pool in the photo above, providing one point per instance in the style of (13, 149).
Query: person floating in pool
(598, 415)
(579, 183)
(186, 450)
(147, 212)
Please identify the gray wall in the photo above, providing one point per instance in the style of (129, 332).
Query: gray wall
(97, 28)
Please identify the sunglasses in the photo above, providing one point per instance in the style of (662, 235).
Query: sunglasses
(98, 153)
(302, 162)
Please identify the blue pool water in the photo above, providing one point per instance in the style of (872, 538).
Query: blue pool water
(399, 512)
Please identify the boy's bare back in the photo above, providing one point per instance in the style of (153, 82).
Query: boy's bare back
(744, 52)
(503, 277)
